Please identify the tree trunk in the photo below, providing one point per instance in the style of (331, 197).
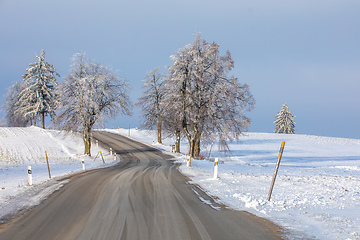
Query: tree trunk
(33, 121)
(194, 142)
(189, 137)
(191, 150)
(87, 141)
(177, 142)
(43, 119)
(196, 148)
(159, 131)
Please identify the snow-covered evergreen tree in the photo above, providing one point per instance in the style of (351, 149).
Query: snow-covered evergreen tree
(88, 95)
(285, 121)
(152, 112)
(37, 97)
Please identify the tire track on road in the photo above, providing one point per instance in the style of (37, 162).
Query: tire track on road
(143, 197)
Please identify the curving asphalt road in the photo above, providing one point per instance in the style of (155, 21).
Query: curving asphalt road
(144, 197)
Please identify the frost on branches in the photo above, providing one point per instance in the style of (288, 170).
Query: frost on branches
(150, 102)
(11, 106)
(88, 95)
(37, 97)
(207, 100)
(285, 121)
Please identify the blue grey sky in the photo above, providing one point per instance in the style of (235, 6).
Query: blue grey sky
(303, 53)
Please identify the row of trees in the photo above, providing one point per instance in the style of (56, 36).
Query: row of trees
(86, 96)
(197, 98)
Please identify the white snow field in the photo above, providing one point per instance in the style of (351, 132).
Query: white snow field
(23, 147)
(316, 193)
(317, 189)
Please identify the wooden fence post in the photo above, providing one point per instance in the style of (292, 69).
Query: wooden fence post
(47, 162)
(276, 169)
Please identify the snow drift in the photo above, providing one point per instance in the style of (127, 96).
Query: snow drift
(316, 193)
(317, 190)
(20, 147)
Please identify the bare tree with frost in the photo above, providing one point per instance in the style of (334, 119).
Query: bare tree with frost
(88, 95)
(285, 121)
(172, 118)
(150, 102)
(210, 102)
(37, 97)
(11, 105)
(173, 129)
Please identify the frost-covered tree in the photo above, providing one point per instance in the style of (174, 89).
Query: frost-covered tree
(210, 102)
(150, 102)
(172, 118)
(37, 97)
(11, 105)
(173, 129)
(88, 95)
(285, 121)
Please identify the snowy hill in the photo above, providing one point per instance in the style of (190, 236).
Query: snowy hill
(317, 190)
(316, 193)
(28, 145)
(21, 147)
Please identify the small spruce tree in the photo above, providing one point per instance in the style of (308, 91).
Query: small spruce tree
(285, 121)
(37, 98)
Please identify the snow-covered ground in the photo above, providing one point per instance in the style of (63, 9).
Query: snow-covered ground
(317, 189)
(23, 147)
(316, 193)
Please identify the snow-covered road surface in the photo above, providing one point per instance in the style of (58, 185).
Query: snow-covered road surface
(23, 147)
(317, 190)
(316, 194)
(144, 197)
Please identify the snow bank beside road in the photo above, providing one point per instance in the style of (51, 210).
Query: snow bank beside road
(317, 190)
(20, 147)
(316, 194)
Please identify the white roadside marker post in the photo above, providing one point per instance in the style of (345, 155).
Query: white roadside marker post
(276, 169)
(111, 153)
(97, 143)
(216, 168)
(188, 161)
(114, 156)
(83, 164)
(30, 175)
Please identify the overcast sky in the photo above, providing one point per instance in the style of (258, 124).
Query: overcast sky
(304, 53)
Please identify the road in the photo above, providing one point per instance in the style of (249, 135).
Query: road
(143, 197)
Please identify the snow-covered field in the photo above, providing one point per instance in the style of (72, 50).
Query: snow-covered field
(317, 190)
(23, 147)
(316, 193)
